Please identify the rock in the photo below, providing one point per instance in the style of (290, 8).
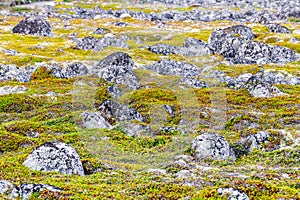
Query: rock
(101, 31)
(6, 187)
(55, 156)
(265, 90)
(94, 120)
(212, 146)
(12, 90)
(233, 194)
(11, 72)
(121, 24)
(110, 109)
(195, 47)
(26, 190)
(240, 31)
(192, 82)
(132, 129)
(171, 67)
(75, 69)
(164, 49)
(191, 47)
(277, 28)
(245, 51)
(10, 52)
(117, 68)
(184, 174)
(258, 139)
(34, 25)
(95, 44)
(157, 171)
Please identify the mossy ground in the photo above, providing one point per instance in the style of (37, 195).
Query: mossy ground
(123, 166)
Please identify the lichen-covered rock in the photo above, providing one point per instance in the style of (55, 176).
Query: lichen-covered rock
(55, 156)
(95, 44)
(94, 120)
(25, 191)
(6, 187)
(232, 194)
(192, 82)
(277, 28)
(12, 90)
(117, 68)
(110, 109)
(244, 51)
(241, 31)
(258, 139)
(34, 25)
(212, 146)
(164, 49)
(171, 67)
(265, 90)
(75, 69)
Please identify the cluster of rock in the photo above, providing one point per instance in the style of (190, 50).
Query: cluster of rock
(247, 12)
(95, 44)
(236, 45)
(24, 191)
(191, 47)
(262, 83)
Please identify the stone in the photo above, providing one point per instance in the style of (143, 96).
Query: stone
(212, 146)
(75, 69)
(111, 109)
(34, 25)
(117, 68)
(258, 139)
(245, 51)
(101, 31)
(232, 194)
(6, 187)
(94, 120)
(55, 156)
(171, 67)
(26, 190)
(12, 90)
(277, 28)
(191, 82)
(95, 44)
(184, 174)
(265, 91)
(164, 49)
(240, 31)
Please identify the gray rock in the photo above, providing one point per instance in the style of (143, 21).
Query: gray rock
(55, 156)
(74, 70)
(277, 28)
(265, 90)
(192, 82)
(95, 44)
(6, 187)
(34, 25)
(171, 67)
(258, 139)
(12, 90)
(232, 194)
(110, 109)
(26, 190)
(101, 31)
(191, 47)
(94, 120)
(241, 31)
(212, 146)
(117, 68)
(239, 50)
(184, 174)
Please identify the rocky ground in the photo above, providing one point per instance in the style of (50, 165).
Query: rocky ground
(166, 99)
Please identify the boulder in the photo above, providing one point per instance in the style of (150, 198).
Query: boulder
(212, 146)
(12, 90)
(95, 44)
(34, 25)
(232, 194)
(258, 139)
(172, 67)
(277, 28)
(117, 68)
(75, 69)
(6, 187)
(240, 31)
(164, 49)
(245, 51)
(113, 110)
(264, 90)
(55, 156)
(94, 120)
(25, 191)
